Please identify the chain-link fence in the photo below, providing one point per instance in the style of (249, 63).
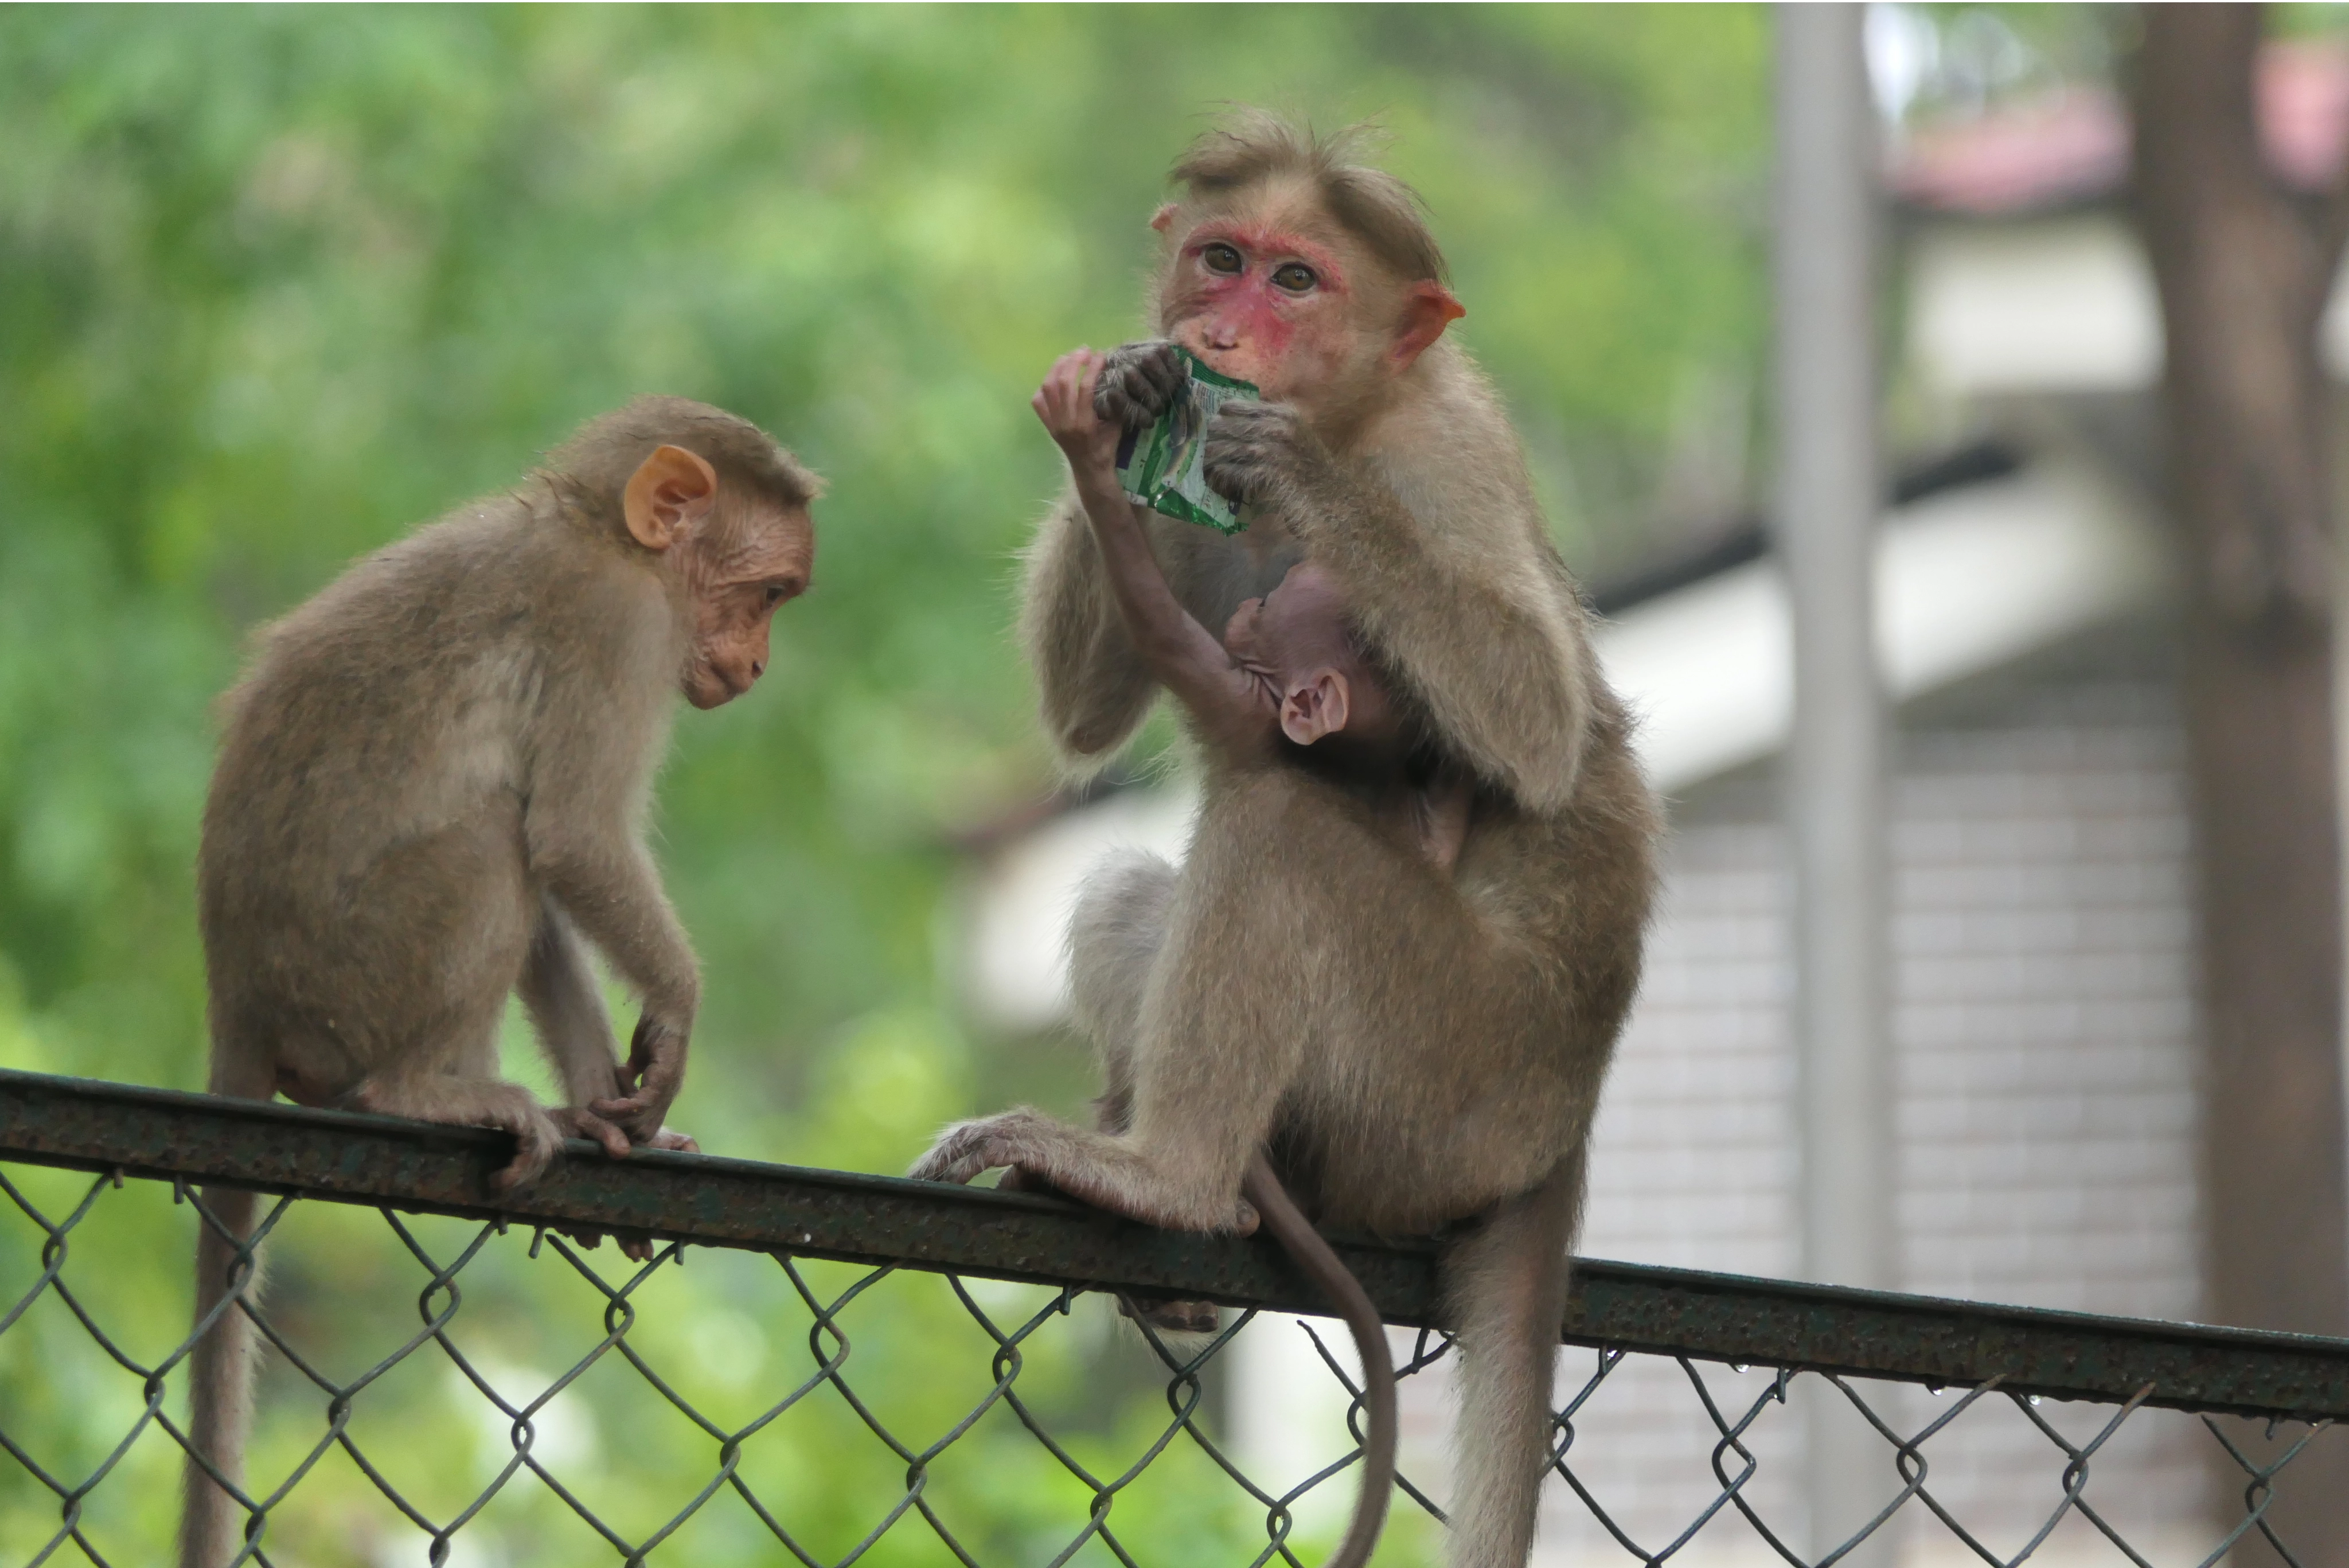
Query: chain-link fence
(815, 1368)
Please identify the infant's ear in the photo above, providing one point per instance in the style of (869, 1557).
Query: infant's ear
(1314, 707)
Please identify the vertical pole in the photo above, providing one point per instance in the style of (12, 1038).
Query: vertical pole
(1828, 497)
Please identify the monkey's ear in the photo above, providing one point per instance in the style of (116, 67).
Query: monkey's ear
(1428, 309)
(1164, 216)
(1314, 708)
(669, 493)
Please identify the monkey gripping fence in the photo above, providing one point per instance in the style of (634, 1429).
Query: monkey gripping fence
(92, 1447)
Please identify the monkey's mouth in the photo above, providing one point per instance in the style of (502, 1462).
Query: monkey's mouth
(705, 688)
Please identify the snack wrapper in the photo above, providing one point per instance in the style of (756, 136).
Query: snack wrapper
(1159, 466)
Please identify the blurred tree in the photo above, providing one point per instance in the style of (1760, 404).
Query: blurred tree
(2245, 266)
(275, 284)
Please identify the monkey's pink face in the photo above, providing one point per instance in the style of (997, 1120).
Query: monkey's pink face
(1262, 302)
(739, 577)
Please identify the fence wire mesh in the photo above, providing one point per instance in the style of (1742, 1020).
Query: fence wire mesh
(477, 1390)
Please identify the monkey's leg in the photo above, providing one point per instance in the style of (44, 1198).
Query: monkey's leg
(1114, 935)
(1505, 1286)
(1226, 1020)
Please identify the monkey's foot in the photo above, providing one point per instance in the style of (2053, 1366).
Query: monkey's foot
(1092, 1168)
(1172, 1317)
(539, 1142)
(968, 1149)
(468, 1102)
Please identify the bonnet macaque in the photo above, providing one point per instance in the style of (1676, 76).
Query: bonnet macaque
(1416, 1050)
(431, 795)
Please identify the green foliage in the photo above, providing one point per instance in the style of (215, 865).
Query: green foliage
(276, 284)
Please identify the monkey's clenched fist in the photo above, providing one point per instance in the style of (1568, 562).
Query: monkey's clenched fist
(1252, 450)
(1137, 382)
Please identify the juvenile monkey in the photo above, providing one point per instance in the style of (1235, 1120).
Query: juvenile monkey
(431, 791)
(1418, 1052)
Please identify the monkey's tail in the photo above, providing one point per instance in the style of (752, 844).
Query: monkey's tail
(219, 1381)
(1505, 1285)
(1309, 1253)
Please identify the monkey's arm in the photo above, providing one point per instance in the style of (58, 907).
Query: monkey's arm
(1484, 629)
(567, 1011)
(1226, 702)
(566, 1008)
(584, 851)
(1094, 686)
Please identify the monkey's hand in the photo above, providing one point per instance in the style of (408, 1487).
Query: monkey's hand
(1256, 452)
(578, 1121)
(1137, 382)
(653, 1073)
(1065, 403)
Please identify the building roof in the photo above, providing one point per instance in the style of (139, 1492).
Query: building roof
(2072, 147)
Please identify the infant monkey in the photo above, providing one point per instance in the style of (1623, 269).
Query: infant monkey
(1307, 681)
(1291, 683)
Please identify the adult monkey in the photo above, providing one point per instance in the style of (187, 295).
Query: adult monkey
(432, 786)
(1411, 1064)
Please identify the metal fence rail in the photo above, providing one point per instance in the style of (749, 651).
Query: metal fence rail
(1738, 1345)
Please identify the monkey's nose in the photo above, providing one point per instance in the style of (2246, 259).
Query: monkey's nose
(758, 668)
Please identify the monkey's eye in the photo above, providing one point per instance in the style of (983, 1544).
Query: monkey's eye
(778, 592)
(1294, 277)
(1221, 258)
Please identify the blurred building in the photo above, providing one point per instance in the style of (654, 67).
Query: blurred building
(2043, 991)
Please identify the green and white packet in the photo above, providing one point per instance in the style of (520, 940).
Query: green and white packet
(1159, 467)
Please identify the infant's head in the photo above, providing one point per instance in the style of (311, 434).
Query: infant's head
(1328, 685)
